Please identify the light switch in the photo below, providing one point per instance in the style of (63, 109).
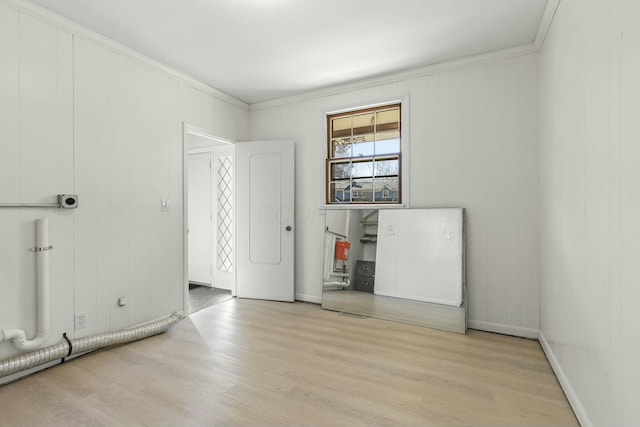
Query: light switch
(164, 205)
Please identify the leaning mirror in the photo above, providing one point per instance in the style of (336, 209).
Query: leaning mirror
(403, 265)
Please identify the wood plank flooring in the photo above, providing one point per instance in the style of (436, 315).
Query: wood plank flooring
(259, 363)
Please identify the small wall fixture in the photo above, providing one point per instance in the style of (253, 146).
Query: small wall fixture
(65, 201)
(68, 201)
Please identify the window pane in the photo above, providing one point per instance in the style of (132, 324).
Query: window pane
(341, 148)
(388, 119)
(362, 169)
(337, 193)
(340, 170)
(363, 146)
(386, 167)
(388, 146)
(351, 170)
(363, 123)
(388, 142)
(361, 191)
(341, 127)
(387, 190)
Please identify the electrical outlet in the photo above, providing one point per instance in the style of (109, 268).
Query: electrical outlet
(80, 321)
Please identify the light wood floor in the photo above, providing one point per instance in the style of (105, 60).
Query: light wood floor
(257, 363)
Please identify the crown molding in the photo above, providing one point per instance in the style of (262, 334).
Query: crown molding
(78, 30)
(400, 76)
(545, 23)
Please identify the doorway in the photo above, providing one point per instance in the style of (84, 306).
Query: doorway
(248, 248)
(209, 163)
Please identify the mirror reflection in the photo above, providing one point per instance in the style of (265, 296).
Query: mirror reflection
(404, 265)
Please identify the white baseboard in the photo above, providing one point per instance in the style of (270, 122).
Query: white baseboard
(499, 328)
(309, 298)
(574, 401)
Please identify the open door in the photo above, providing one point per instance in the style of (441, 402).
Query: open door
(265, 219)
(200, 245)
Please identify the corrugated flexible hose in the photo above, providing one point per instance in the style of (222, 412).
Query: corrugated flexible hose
(69, 347)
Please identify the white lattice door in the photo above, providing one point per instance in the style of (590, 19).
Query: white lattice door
(223, 217)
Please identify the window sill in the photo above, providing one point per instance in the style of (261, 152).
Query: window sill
(363, 207)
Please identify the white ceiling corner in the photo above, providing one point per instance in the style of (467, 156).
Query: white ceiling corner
(259, 50)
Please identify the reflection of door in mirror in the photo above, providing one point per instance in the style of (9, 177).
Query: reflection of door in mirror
(405, 265)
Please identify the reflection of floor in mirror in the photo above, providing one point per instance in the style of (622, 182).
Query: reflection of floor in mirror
(419, 313)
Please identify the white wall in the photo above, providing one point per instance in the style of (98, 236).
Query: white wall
(590, 205)
(81, 116)
(36, 163)
(474, 144)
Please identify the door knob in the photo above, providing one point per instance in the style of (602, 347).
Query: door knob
(288, 228)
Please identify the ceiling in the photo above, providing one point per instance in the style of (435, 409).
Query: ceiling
(257, 50)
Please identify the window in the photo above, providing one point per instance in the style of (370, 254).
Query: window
(364, 156)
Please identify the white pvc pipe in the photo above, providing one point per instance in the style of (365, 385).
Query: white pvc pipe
(330, 259)
(17, 336)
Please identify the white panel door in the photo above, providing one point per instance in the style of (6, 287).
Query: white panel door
(265, 220)
(200, 231)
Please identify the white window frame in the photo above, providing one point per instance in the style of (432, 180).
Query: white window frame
(404, 150)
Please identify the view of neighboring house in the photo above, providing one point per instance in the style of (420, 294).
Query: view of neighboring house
(365, 193)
